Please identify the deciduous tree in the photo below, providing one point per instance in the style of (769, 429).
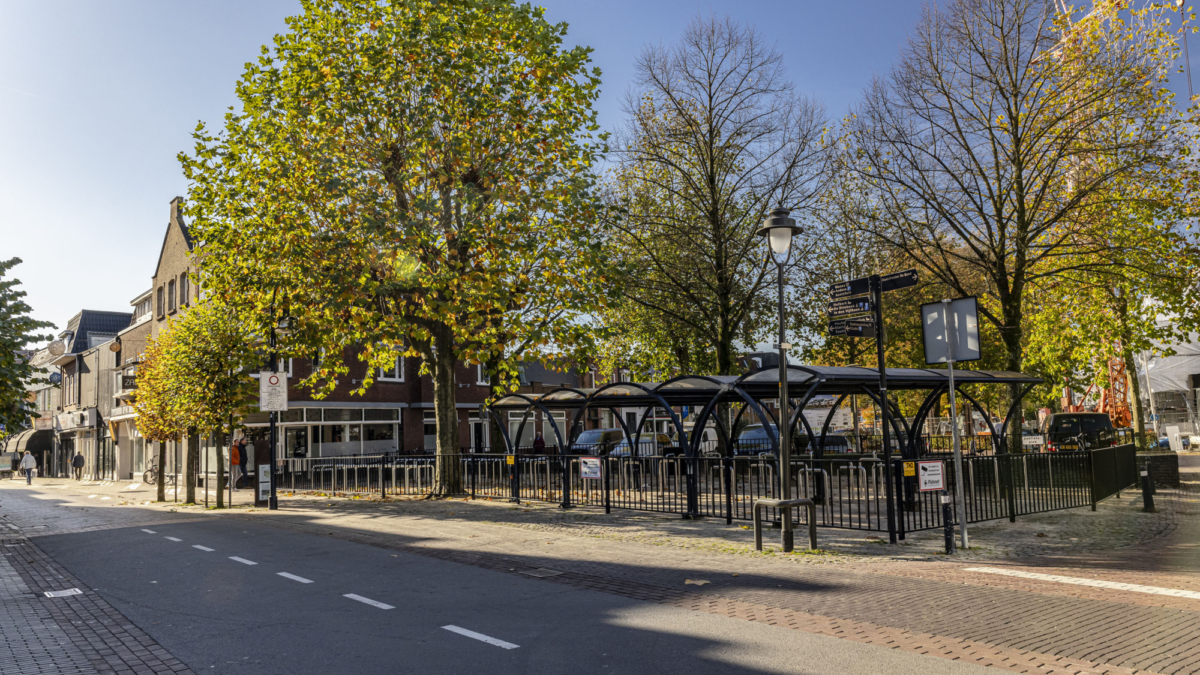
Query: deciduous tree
(18, 331)
(408, 176)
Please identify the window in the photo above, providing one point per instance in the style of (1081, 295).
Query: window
(395, 373)
(158, 297)
(481, 376)
(170, 296)
(183, 289)
(117, 378)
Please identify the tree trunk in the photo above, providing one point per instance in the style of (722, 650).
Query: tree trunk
(495, 387)
(192, 460)
(162, 471)
(449, 463)
(1135, 393)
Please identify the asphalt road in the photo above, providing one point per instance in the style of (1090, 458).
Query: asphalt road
(219, 614)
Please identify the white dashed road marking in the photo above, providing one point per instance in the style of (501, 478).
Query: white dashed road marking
(481, 637)
(134, 486)
(1116, 586)
(203, 548)
(94, 496)
(367, 601)
(242, 560)
(149, 531)
(172, 539)
(293, 577)
(63, 594)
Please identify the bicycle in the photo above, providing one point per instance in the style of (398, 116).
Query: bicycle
(151, 477)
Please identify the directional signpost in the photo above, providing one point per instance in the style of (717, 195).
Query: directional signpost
(844, 303)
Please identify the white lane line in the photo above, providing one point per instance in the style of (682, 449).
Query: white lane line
(149, 531)
(63, 594)
(293, 577)
(91, 496)
(367, 601)
(172, 539)
(242, 560)
(203, 548)
(481, 637)
(1136, 588)
(134, 486)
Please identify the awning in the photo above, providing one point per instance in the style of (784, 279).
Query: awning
(30, 439)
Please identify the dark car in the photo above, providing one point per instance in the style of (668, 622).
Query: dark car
(597, 442)
(1070, 432)
(649, 445)
(754, 440)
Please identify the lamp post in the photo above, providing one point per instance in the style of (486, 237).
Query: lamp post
(779, 229)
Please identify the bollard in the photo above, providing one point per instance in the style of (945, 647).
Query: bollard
(1147, 490)
(948, 523)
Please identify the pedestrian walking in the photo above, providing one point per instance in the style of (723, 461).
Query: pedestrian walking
(77, 463)
(235, 464)
(28, 464)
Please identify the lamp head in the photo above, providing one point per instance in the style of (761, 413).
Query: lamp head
(779, 229)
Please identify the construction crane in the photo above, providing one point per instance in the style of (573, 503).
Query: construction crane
(1114, 399)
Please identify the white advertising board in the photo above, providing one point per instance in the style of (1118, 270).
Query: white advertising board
(272, 392)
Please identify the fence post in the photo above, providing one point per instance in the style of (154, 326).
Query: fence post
(898, 475)
(1148, 490)
(947, 523)
(727, 475)
(565, 463)
(607, 464)
(1091, 458)
(1008, 486)
(693, 506)
(471, 473)
(515, 479)
(382, 480)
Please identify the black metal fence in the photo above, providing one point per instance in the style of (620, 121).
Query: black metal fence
(850, 492)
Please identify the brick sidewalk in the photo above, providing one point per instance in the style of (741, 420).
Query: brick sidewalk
(74, 635)
(905, 597)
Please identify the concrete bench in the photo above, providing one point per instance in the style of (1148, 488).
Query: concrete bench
(785, 505)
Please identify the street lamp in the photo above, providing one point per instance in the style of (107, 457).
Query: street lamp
(779, 229)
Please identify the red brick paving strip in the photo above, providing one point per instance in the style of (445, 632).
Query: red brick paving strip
(110, 641)
(1022, 660)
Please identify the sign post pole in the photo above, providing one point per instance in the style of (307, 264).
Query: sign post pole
(958, 464)
(877, 295)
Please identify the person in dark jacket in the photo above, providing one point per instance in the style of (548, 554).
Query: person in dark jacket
(77, 463)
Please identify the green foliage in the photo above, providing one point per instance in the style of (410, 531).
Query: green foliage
(18, 332)
(412, 176)
(196, 374)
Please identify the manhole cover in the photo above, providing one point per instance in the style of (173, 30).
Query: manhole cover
(542, 572)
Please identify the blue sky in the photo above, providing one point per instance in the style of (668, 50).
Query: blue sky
(97, 98)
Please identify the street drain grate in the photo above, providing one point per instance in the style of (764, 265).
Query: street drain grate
(542, 573)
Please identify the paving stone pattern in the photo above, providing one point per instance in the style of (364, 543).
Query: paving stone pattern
(1002, 628)
(78, 634)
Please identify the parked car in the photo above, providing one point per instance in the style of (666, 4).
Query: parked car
(648, 445)
(754, 440)
(597, 441)
(1066, 432)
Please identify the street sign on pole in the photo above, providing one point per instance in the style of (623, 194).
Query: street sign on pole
(864, 327)
(962, 319)
(272, 391)
(840, 308)
(897, 280)
(847, 289)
